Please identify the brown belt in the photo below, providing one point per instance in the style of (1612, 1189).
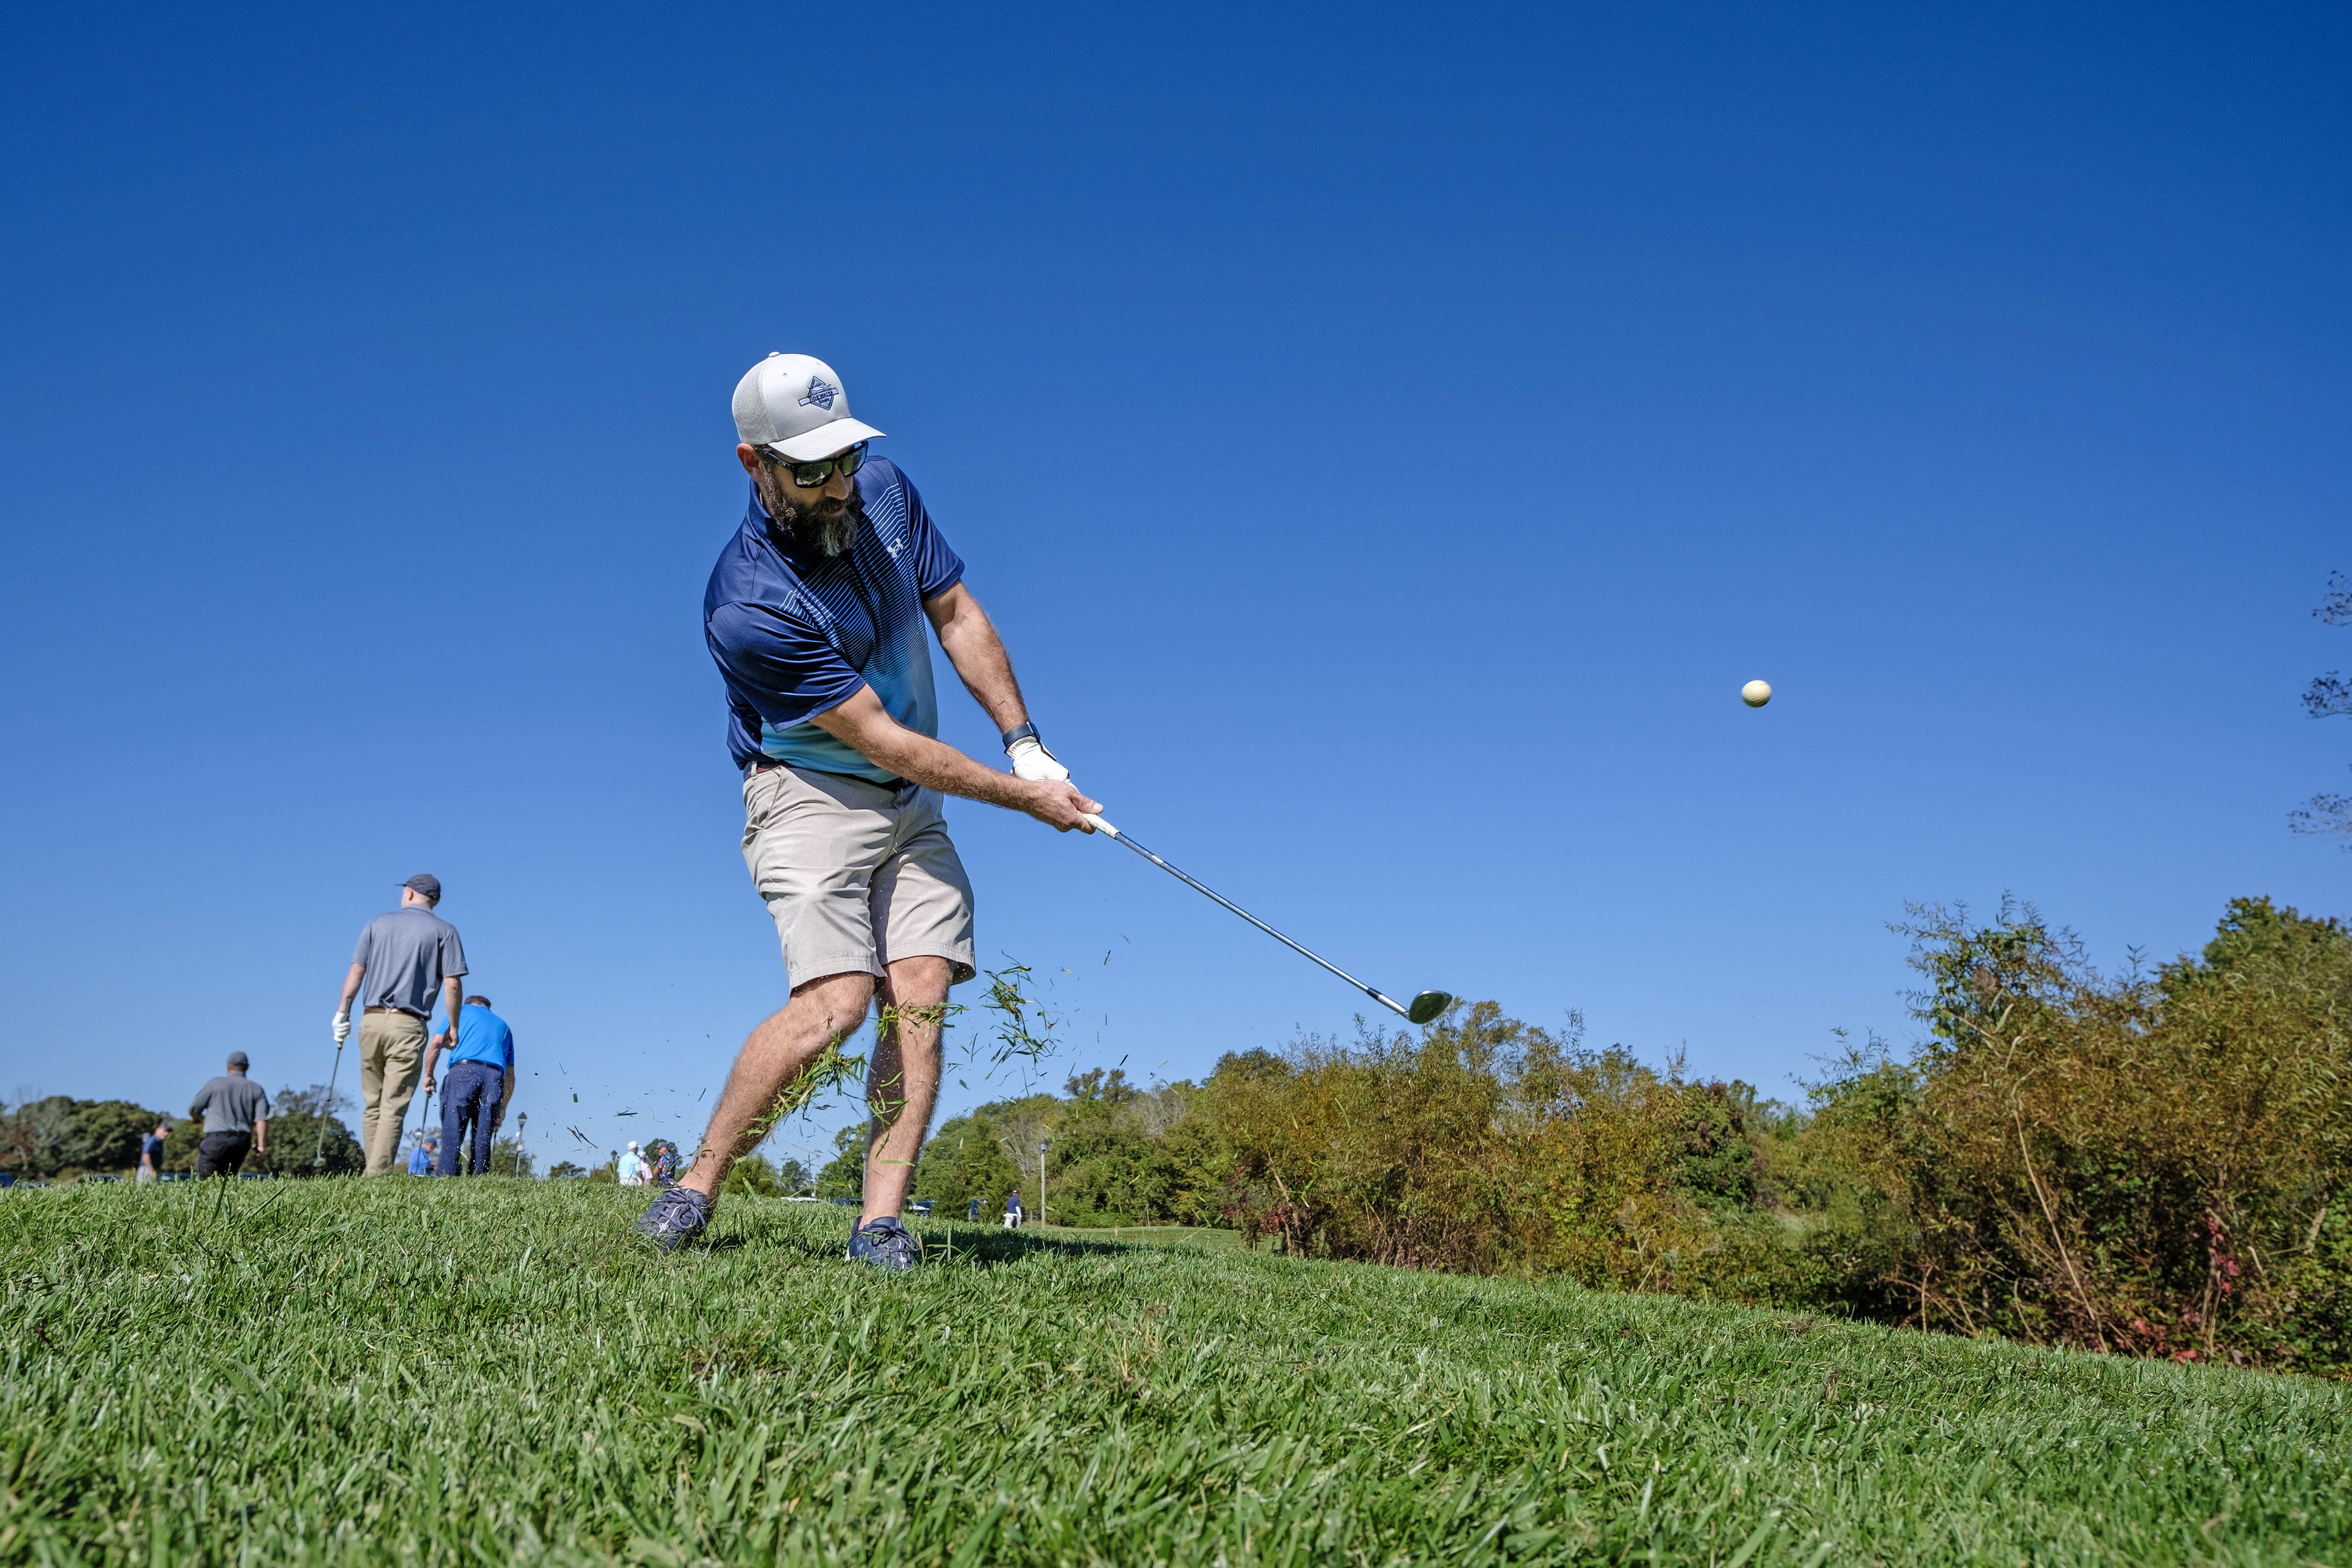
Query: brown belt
(387, 1010)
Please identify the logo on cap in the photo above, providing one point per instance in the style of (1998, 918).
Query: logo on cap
(821, 393)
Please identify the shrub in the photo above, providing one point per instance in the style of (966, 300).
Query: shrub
(1494, 1146)
(754, 1175)
(846, 1176)
(2146, 1163)
(965, 1158)
(304, 1129)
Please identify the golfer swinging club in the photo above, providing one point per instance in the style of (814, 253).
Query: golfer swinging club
(816, 616)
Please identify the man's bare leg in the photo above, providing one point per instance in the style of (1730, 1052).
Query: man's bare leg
(823, 1010)
(903, 1084)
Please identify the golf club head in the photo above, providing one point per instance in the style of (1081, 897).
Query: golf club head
(1426, 1007)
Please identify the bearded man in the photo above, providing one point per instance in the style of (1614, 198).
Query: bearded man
(816, 616)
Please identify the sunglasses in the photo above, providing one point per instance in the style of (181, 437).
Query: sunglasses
(808, 476)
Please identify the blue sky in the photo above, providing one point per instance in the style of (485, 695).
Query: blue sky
(1386, 437)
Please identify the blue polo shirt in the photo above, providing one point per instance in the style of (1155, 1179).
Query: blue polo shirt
(796, 634)
(483, 1036)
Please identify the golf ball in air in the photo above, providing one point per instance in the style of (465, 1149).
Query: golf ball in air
(1756, 693)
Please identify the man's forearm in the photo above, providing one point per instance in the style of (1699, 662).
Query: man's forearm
(986, 670)
(863, 724)
(261, 1134)
(969, 639)
(942, 767)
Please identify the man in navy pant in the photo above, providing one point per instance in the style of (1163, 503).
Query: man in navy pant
(480, 1086)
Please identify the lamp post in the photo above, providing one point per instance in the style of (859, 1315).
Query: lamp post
(522, 1120)
(1043, 1144)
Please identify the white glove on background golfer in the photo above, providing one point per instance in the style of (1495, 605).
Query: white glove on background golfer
(342, 1027)
(1032, 762)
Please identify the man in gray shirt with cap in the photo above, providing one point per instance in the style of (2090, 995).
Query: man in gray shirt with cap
(236, 1120)
(403, 957)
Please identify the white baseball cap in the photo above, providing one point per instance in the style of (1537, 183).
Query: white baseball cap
(794, 405)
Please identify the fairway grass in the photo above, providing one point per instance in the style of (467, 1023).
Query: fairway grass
(491, 1370)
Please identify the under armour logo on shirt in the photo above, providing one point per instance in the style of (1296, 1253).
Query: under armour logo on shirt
(820, 394)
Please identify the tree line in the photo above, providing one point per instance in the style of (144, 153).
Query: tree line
(2157, 1162)
(55, 1136)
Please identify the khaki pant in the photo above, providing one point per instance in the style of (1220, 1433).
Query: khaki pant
(391, 1058)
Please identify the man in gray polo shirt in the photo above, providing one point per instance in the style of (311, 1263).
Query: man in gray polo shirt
(403, 957)
(236, 1120)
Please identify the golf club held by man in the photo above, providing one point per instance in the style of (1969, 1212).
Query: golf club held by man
(815, 615)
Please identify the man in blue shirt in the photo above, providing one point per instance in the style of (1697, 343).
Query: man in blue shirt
(150, 1153)
(481, 1084)
(817, 615)
(425, 1157)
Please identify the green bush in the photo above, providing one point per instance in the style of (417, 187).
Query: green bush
(304, 1130)
(752, 1174)
(2148, 1163)
(964, 1160)
(844, 1176)
(1493, 1146)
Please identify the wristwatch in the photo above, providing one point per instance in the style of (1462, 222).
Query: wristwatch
(1025, 733)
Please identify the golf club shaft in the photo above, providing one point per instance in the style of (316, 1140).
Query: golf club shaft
(319, 1154)
(1102, 826)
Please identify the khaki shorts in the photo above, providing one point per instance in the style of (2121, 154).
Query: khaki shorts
(855, 874)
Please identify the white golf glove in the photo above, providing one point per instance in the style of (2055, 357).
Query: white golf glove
(342, 1027)
(1032, 762)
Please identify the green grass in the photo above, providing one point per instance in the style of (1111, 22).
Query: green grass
(489, 1372)
(1137, 1234)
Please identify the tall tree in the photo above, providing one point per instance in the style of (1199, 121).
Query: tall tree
(2328, 696)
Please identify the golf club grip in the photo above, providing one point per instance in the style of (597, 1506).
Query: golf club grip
(1212, 893)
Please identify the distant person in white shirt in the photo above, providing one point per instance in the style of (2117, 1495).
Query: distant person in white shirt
(634, 1172)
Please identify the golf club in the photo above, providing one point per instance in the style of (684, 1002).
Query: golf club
(327, 1111)
(1424, 1008)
